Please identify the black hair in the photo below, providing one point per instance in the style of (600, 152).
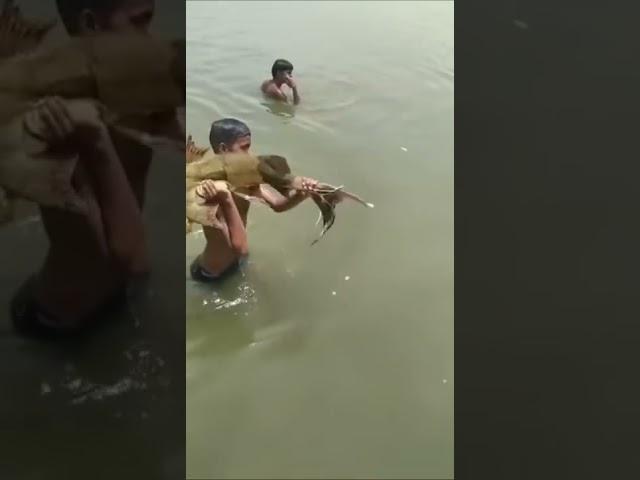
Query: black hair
(281, 65)
(70, 10)
(227, 131)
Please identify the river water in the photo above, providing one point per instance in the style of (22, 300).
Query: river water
(334, 360)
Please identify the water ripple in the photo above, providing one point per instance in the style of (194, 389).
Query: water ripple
(144, 375)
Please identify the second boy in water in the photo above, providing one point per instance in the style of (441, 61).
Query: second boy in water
(282, 74)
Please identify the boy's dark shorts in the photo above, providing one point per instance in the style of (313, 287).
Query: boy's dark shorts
(199, 274)
(31, 320)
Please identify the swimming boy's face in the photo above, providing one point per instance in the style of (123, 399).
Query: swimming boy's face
(241, 145)
(281, 75)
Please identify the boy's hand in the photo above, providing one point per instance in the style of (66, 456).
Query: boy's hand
(49, 121)
(61, 123)
(87, 120)
(309, 184)
(304, 185)
(290, 81)
(210, 191)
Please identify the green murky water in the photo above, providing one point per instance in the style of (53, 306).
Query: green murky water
(293, 370)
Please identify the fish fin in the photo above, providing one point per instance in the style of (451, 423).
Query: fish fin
(338, 194)
(355, 198)
(204, 214)
(197, 211)
(327, 212)
(17, 34)
(41, 179)
(193, 152)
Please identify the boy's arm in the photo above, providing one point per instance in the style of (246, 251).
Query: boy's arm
(237, 231)
(78, 124)
(121, 215)
(294, 87)
(282, 203)
(276, 93)
(279, 202)
(237, 234)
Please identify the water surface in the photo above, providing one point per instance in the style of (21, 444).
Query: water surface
(334, 360)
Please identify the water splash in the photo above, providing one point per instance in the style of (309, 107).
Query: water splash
(243, 294)
(143, 373)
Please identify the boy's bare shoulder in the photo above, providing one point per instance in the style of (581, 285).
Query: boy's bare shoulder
(266, 85)
(269, 87)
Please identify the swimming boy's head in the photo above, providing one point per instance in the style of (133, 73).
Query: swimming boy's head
(229, 136)
(280, 69)
(82, 17)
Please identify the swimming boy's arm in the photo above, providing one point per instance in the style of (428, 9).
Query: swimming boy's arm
(235, 233)
(296, 96)
(276, 93)
(294, 88)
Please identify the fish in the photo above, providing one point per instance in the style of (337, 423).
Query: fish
(138, 81)
(240, 172)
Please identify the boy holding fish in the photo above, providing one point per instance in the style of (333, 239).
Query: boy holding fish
(226, 246)
(91, 255)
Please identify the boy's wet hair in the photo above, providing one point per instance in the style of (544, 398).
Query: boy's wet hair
(70, 10)
(227, 131)
(281, 65)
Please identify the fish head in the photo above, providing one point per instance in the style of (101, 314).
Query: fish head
(141, 84)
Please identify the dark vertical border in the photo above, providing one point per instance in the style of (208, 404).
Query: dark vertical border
(111, 406)
(546, 240)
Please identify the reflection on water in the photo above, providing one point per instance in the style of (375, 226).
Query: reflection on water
(281, 109)
(235, 314)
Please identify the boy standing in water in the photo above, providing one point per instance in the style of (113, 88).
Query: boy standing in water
(91, 256)
(282, 74)
(226, 246)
